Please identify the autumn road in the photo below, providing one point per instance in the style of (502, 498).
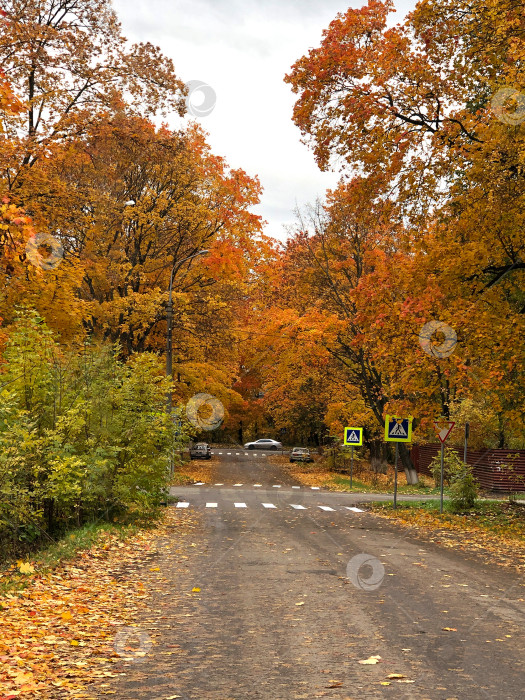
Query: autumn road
(285, 592)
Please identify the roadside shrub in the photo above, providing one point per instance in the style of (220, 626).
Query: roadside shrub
(84, 436)
(463, 490)
(452, 467)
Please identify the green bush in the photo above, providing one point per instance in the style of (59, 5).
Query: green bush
(463, 490)
(452, 466)
(83, 435)
(458, 476)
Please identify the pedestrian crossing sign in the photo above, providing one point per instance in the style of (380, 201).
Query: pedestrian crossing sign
(353, 436)
(398, 429)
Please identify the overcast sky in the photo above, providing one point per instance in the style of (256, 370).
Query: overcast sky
(242, 49)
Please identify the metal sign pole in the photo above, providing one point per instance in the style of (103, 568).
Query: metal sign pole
(467, 431)
(351, 464)
(441, 476)
(395, 476)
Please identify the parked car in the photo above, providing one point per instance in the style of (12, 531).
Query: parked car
(201, 450)
(301, 454)
(264, 444)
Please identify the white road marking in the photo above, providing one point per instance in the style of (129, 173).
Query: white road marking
(257, 485)
(219, 484)
(220, 453)
(254, 454)
(297, 507)
(237, 484)
(236, 454)
(355, 510)
(246, 454)
(182, 504)
(263, 455)
(269, 505)
(240, 505)
(228, 453)
(315, 488)
(199, 483)
(296, 487)
(211, 505)
(276, 486)
(325, 508)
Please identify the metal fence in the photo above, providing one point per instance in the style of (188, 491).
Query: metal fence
(496, 470)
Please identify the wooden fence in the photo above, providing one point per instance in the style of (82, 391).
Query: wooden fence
(495, 470)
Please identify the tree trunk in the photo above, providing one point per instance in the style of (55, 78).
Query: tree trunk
(378, 461)
(406, 461)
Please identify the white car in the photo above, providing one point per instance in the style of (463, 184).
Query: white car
(264, 444)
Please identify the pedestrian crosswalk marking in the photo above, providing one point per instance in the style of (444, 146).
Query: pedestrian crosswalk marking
(296, 506)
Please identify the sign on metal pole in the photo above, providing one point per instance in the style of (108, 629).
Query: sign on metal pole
(398, 429)
(443, 429)
(353, 436)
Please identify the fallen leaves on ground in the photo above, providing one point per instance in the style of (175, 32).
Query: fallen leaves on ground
(371, 660)
(58, 633)
(194, 471)
(461, 532)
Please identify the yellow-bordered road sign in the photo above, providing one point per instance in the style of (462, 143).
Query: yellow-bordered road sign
(398, 429)
(353, 436)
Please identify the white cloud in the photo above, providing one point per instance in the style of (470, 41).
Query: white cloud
(243, 49)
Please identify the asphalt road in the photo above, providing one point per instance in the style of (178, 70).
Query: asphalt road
(296, 589)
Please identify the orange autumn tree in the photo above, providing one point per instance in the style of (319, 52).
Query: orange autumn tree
(433, 116)
(68, 65)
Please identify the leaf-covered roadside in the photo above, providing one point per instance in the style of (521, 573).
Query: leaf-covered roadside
(58, 633)
(496, 530)
(364, 480)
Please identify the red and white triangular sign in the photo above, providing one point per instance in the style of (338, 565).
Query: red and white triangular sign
(443, 428)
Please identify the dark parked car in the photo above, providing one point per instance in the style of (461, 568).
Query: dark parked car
(301, 454)
(201, 450)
